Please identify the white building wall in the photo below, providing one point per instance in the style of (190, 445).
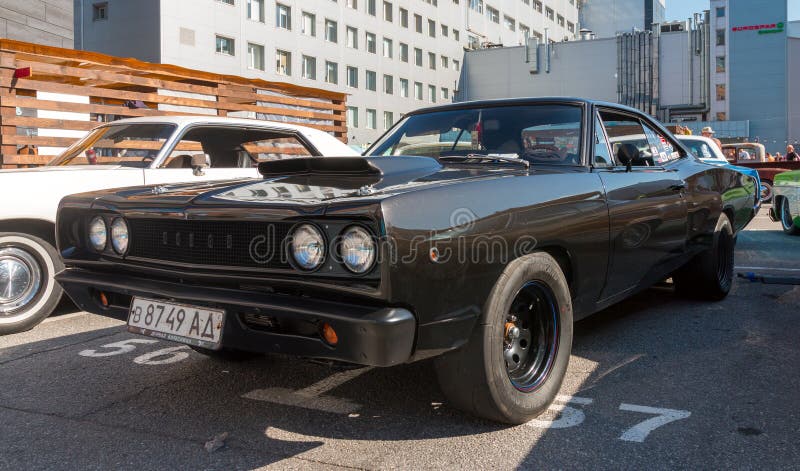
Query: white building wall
(188, 29)
(720, 109)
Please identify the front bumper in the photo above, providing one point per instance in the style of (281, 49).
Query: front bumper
(263, 322)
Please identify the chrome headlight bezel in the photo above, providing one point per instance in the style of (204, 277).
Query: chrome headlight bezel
(120, 236)
(362, 248)
(304, 236)
(97, 241)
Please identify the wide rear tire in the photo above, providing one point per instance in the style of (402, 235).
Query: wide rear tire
(513, 376)
(709, 275)
(785, 216)
(28, 291)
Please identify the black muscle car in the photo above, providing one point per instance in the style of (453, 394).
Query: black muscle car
(474, 232)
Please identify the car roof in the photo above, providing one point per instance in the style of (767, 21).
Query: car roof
(566, 100)
(218, 120)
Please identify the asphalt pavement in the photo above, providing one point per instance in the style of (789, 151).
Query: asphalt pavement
(655, 382)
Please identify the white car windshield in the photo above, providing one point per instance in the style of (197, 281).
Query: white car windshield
(128, 145)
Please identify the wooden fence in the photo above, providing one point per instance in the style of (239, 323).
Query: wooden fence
(50, 96)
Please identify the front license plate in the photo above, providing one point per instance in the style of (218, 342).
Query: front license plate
(183, 323)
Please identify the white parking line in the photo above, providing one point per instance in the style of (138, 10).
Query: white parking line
(313, 397)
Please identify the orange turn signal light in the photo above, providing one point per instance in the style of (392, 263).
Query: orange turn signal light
(329, 334)
(103, 299)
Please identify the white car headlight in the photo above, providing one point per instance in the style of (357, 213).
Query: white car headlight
(307, 247)
(98, 233)
(119, 235)
(357, 249)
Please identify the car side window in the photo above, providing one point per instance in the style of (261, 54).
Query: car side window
(627, 139)
(662, 148)
(602, 154)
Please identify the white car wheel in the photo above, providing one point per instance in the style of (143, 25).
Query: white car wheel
(28, 291)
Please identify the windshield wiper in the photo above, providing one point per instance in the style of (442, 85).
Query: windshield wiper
(487, 158)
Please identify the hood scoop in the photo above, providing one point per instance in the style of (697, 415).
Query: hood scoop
(349, 172)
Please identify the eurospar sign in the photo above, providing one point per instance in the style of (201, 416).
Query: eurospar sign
(762, 29)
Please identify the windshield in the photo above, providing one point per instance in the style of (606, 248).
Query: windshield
(129, 145)
(702, 150)
(536, 133)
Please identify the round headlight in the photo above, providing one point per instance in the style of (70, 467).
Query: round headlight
(98, 233)
(307, 247)
(357, 249)
(119, 236)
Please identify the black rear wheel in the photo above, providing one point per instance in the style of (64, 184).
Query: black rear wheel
(709, 275)
(787, 223)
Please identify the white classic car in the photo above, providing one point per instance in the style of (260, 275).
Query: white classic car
(128, 152)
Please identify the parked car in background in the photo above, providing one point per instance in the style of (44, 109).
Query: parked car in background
(786, 209)
(753, 155)
(707, 150)
(481, 254)
(123, 153)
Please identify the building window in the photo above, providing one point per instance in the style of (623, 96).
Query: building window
(476, 5)
(549, 13)
(100, 11)
(283, 62)
(226, 45)
(388, 84)
(418, 91)
(432, 61)
(387, 12)
(537, 5)
(372, 119)
(720, 37)
(418, 56)
(431, 28)
(352, 37)
(524, 30)
(371, 7)
(404, 52)
(309, 67)
(387, 48)
(255, 56)
(493, 14)
(417, 23)
(722, 116)
(255, 10)
(720, 12)
(509, 23)
(352, 117)
(227, 2)
(371, 43)
(432, 93)
(445, 62)
(571, 27)
(720, 92)
(309, 26)
(331, 31)
(404, 18)
(720, 64)
(331, 72)
(352, 77)
(404, 88)
(445, 30)
(445, 94)
(372, 79)
(388, 119)
(352, 4)
(456, 35)
(456, 65)
(560, 20)
(283, 16)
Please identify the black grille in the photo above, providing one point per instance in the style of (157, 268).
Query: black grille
(218, 243)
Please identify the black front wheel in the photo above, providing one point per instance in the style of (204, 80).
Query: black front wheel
(787, 222)
(512, 367)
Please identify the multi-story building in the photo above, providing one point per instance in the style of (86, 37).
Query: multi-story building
(606, 18)
(720, 27)
(390, 56)
(46, 22)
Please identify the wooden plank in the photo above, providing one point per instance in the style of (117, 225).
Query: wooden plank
(49, 123)
(30, 102)
(26, 159)
(225, 105)
(244, 95)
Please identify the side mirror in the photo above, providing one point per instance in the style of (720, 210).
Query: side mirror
(199, 164)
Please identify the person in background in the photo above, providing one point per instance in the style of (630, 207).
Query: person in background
(778, 157)
(791, 155)
(709, 133)
(770, 158)
(743, 154)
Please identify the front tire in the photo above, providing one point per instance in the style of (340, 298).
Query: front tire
(512, 366)
(28, 291)
(766, 191)
(709, 275)
(787, 223)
